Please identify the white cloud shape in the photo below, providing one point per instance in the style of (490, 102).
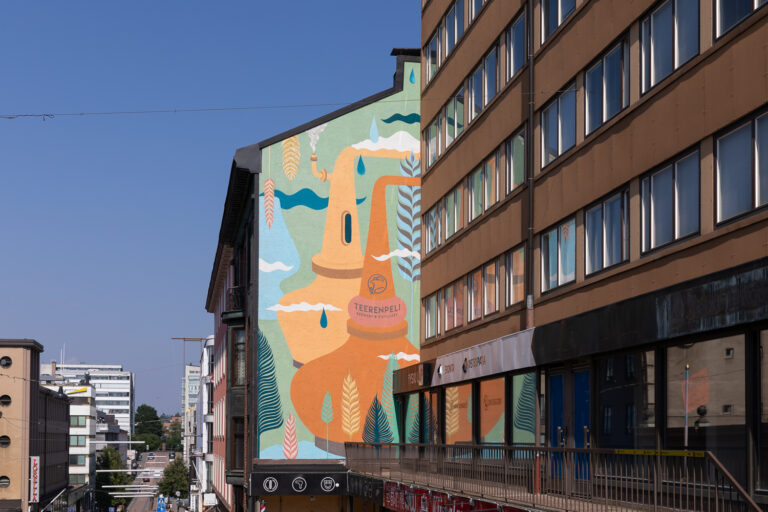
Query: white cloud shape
(265, 266)
(400, 253)
(399, 141)
(403, 355)
(303, 306)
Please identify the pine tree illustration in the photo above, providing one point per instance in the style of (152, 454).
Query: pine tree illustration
(376, 429)
(387, 399)
(270, 415)
(326, 414)
(409, 231)
(350, 406)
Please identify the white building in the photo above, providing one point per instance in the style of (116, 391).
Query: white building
(82, 431)
(203, 451)
(190, 386)
(108, 429)
(114, 386)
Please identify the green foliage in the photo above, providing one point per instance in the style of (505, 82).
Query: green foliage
(175, 478)
(109, 458)
(147, 421)
(524, 417)
(387, 399)
(152, 441)
(376, 428)
(270, 412)
(412, 422)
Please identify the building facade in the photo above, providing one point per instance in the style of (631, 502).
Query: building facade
(115, 387)
(594, 266)
(190, 386)
(204, 455)
(108, 429)
(317, 282)
(34, 425)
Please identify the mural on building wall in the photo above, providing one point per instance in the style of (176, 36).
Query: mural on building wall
(339, 274)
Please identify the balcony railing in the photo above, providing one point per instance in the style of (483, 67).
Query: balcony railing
(235, 298)
(560, 478)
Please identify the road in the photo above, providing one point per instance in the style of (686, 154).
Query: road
(157, 464)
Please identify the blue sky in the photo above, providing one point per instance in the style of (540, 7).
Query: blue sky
(108, 224)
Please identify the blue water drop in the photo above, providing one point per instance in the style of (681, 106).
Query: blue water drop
(412, 78)
(323, 320)
(360, 166)
(374, 131)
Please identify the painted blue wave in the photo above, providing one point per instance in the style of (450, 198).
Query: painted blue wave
(408, 119)
(304, 197)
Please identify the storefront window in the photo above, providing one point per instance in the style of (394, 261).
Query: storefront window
(412, 419)
(458, 414)
(524, 408)
(430, 432)
(706, 405)
(762, 482)
(626, 400)
(492, 411)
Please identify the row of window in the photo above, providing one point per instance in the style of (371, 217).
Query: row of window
(479, 290)
(78, 421)
(443, 41)
(479, 88)
(479, 191)
(77, 440)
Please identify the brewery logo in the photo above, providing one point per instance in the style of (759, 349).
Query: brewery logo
(328, 484)
(377, 283)
(299, 484)
(270, 484)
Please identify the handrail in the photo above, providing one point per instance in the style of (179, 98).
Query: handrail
(744, 494)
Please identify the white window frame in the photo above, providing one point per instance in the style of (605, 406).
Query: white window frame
(719, 32)
(510, 273)
(511, 187)
(571, 87)
(624, 216)
(557, 229)
(520, 19)
(624, 49)
(560, 19)
(495, 264)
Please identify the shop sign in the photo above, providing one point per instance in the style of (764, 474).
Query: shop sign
(34, 479)
(405, 498)
(412, 378)
(505, 354)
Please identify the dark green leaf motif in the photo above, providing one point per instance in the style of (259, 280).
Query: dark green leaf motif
(270, 412)
(376, 428)
(525, 409)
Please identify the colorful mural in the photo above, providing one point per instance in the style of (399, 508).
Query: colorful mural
(339, 274)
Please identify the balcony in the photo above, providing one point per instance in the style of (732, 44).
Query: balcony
(554, 478)
(235, 304)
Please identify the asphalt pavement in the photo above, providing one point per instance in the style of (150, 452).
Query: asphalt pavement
(158, 464)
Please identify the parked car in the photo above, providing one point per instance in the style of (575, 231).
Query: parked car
(145, 479)
(171, 455)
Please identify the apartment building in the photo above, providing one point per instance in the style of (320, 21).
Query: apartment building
(203, 452)
(594, 259)
(115, 387)
(190, 386)
(34, 424)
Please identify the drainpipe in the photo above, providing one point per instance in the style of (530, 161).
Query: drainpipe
(529, 319)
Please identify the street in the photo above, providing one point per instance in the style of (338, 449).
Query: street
(154, 472)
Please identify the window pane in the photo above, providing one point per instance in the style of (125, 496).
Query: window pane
(594, 220)
(459, 19)
(477, 92)
(491, 280)
(476, 6)
(734, 173)
(662, 43)
(450, 216)
(761, 150)
(449, 308)
(491, 181)
(549, 260)
(431, 316)
(460, 112)
(476, 185)
(432, 143)
(459, 295)
(708, 377)
(458, 414)
(549, 16)
(433, 57)
(524, 408)
(490, 77)
(457, 198)
(517, 40)
(549, 134)
(492, 411)
(476, 295)
(516, 160)
(645, 39)
(687, 30)
(613, 231)
(594, 92)
(614, 79)
(646, 191)
(450, 122)
(567, 119)
(687, 188)
(450, 28)
(566, 8)
(662, 208)
(730, 12)
(567, 260)
(516, 275)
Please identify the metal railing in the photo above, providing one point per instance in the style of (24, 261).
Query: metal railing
(560, 478)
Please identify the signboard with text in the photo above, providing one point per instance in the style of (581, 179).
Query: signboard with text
(34, 479)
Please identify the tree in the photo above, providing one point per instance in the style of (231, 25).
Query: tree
(173, 437)
(152, 442)
(109, 459)
(175, 478)
(147, 421)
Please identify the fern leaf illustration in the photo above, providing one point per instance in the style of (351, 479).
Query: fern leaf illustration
(269, 411)
(409, 219)
(412, 419)
(290, 443)
(326, 414)
(451, 411)
(350, 407)
(269, 201)
(291, 157)
(387, 399)
(376, 429)
(525, 408)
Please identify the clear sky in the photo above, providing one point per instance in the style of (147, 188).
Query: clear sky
(109, 223)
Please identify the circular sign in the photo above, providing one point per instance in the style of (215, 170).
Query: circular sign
(270, 484)
(299, 484)
(328, 484)
(377, 283)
